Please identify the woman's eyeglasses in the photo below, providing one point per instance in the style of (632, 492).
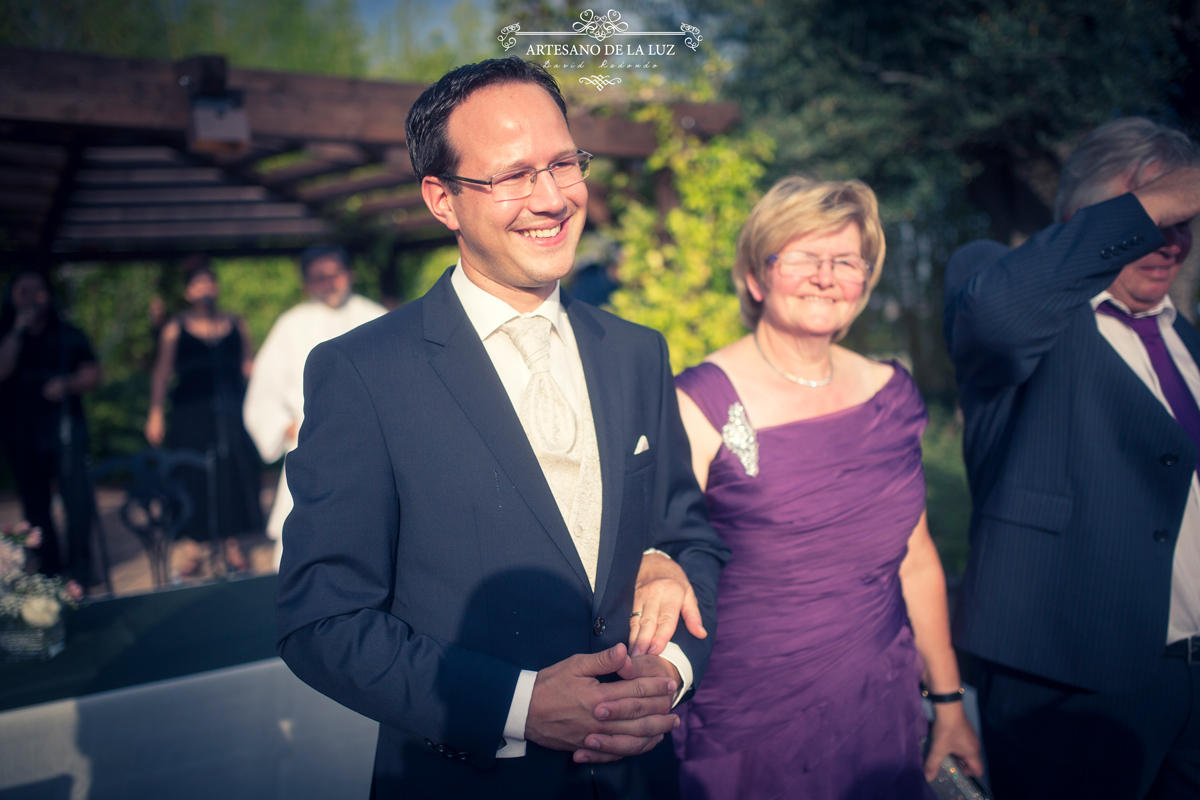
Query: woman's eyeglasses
(846, 269)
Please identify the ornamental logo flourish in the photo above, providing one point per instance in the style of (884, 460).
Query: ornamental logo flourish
(605, 31)
(600, 81)
(600, 28)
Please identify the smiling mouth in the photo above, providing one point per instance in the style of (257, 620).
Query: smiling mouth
(818, 298)
(546, 233)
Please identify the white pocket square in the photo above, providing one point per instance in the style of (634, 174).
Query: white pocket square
(642, 446)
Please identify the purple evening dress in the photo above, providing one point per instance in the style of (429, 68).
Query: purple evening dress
(812, 690)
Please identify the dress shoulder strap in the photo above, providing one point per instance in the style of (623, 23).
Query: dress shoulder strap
(710, 389)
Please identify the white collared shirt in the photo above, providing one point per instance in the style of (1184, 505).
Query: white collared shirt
(487, 313)
(275, 395)
(1184, 619)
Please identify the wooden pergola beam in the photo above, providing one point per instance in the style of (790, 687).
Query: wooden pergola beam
(186, 212)
(41, 87)
(195, 194)
(93, 161)
(324, 193)
(75, 89)
(392, 203)
(192, 229)
(323, 159)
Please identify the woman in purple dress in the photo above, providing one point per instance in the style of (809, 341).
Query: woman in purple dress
(833, 608)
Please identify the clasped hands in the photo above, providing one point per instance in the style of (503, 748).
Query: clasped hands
(601, 722)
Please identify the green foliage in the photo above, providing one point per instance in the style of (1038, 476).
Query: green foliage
(948, 499)
(396, 52)
(111, 306)
(292, 35)
(259, 289)
(676, 270)
(429, 268)
(912, 97)
(957, 114)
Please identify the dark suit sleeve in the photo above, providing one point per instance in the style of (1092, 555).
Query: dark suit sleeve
(1005, 308)
(336, 581)
(684, 532)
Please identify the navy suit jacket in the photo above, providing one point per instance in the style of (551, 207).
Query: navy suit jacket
(426, 562)
(1079, 475)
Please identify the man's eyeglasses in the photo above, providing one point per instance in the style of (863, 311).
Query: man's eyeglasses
(518, 183)
(846, 269)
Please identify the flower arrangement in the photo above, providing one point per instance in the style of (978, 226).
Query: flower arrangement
(35, 600)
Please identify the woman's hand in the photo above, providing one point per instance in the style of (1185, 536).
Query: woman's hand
(952, 734)
(155, 427)
(663, 594)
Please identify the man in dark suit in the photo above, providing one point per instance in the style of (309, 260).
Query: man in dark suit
(1078, 383)
(479, 477)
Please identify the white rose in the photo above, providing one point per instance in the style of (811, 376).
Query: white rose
(40, 612)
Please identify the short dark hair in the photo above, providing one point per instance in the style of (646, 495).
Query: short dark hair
(319, 252)
(8, 312)
(425, 127)
(197, 264)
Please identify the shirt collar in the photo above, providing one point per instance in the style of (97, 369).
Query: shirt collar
(1165, 307)
(488, 312)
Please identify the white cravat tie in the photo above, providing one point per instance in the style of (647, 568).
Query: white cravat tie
(545, 414)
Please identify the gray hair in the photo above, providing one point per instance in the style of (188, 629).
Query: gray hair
(1129, 144)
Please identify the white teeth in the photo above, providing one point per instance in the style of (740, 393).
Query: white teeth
(545, 234)
(821, 299)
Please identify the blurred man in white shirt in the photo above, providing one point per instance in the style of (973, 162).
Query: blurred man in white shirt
(274, 406)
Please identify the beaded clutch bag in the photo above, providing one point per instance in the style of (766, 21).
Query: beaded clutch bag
(952, 783)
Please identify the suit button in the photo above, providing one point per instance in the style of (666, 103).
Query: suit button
(1161, 535)
(1125, 245)
(1136, 240)
(1106, 253)
(1169, 459)
(598, 628)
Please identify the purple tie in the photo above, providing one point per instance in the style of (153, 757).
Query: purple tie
(1174, 388)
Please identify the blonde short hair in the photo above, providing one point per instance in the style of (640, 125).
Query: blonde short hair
(798, 206)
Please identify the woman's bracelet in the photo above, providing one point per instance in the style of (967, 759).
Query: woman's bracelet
(951, 697)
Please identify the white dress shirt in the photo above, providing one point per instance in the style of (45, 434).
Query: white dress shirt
(487, 313)
(1184, 619)
(275, 395)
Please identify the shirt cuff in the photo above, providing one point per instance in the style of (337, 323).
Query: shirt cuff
(518, 712)
(650, 550)
(675, 655)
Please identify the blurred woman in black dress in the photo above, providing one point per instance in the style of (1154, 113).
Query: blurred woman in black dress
(210, 354)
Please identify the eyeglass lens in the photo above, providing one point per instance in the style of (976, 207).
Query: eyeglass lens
(847, 269)
(519, 183)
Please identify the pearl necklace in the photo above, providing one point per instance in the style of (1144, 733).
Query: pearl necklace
(790, 376)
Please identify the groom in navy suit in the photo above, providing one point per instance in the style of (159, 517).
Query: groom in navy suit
(480, 476)
(1078, 381)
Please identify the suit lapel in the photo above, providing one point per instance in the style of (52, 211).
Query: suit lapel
(464, 367)
(1191, 339)
(604, 391)
(1122, 376)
